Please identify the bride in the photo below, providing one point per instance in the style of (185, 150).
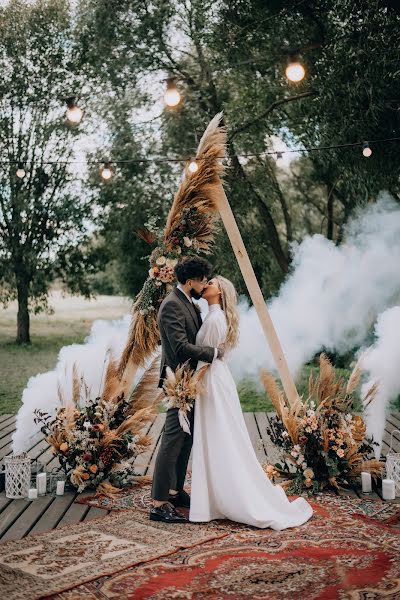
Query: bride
(227, 480)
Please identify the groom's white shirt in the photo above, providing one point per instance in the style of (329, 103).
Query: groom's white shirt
(179, 287)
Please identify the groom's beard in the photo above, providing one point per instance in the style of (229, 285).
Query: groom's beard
(195, 294)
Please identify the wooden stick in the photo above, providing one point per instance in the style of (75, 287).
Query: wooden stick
(253, 287)
(127, 379)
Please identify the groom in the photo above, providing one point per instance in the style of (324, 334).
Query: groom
(179, 322)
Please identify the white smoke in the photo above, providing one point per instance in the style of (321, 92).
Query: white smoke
(333, 296)
(382, 362)
(42, 390)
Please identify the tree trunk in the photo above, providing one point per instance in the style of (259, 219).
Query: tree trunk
(273, 236)
(329, 229)
(23, 324)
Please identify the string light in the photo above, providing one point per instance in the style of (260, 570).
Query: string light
(172, 97)
(106, 172)
(366, 150)
(20, 173)
(295, 71)
(107, 166)
(74, 114)
(193, 166)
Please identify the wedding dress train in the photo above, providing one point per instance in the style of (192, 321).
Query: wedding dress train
(227, 480)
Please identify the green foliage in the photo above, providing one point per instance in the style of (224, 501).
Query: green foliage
(252, 396)
(232, 56)
(43, 217)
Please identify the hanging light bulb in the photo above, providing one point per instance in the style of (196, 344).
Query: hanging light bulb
(193, 166)
(74, 113)
(172, 97)
(366, 150)
(106, 172)
(295, 71)
(20, 173)
(279, 159)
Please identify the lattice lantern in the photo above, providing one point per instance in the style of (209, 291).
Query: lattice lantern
(393, 464)
(18, 475)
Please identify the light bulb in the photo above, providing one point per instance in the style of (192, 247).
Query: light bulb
(20, 173)
(172, 96)
(295, 71)
(366, 150)
(106, 172)
(193, 166)
(74, 113)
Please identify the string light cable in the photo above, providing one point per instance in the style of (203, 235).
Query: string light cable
(107, 172)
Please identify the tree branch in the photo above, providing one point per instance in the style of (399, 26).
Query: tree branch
(266, 112)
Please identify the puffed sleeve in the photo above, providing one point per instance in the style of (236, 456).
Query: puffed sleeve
(214, 330)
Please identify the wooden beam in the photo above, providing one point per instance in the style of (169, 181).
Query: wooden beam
(256, 296)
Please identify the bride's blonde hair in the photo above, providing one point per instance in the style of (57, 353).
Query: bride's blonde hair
(229, 306)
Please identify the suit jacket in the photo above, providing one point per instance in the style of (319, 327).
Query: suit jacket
(179, 322)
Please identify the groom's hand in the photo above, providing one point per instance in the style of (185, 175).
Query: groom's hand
(221, 351)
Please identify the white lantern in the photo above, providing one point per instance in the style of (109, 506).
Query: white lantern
(18, 475)
(393, 464)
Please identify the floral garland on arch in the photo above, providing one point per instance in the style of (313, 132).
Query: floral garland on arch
(190, 228)
(323, 441)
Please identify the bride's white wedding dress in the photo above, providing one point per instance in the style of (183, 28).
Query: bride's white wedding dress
(227, 480)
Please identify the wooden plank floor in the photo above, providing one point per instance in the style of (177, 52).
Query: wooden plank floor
(19, 518)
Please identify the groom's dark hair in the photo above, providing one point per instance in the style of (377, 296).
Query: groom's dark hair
(192, 267)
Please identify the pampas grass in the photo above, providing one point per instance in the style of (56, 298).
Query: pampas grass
(319, 434)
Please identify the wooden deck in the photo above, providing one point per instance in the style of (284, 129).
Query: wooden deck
(19, 518)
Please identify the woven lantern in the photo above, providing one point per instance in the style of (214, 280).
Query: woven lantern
(18, 475)
(393, 464)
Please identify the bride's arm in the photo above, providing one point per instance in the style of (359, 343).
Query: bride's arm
(214, 330)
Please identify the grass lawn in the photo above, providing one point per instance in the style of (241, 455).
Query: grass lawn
(70, 324)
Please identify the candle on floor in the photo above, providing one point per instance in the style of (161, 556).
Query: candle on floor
(60, 488)
(366, 482)
(32, 494)
(41, 482)
(388, 489)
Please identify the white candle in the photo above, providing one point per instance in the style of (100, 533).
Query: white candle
(388, 489)
(41, 482)
(60, 488)
(366, 482)
(32, 493)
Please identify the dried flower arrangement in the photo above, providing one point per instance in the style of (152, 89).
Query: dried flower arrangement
(97, 443)
(182, 388)
(323, 441)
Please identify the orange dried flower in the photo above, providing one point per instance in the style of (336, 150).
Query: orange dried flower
(99, 427)
(93, 468)
(85, 476)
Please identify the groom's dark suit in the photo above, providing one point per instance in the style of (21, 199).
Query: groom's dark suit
(179, 323)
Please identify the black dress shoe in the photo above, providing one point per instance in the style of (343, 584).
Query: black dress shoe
(181, 499)
(167, 514)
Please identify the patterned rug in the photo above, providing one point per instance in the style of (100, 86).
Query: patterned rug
(336, 555)
(138, 498)
(54, 561)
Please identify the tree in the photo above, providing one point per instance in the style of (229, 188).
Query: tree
(42, 215)
(231, 55)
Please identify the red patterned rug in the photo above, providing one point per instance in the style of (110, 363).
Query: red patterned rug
(338, 554)
(138, 498)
